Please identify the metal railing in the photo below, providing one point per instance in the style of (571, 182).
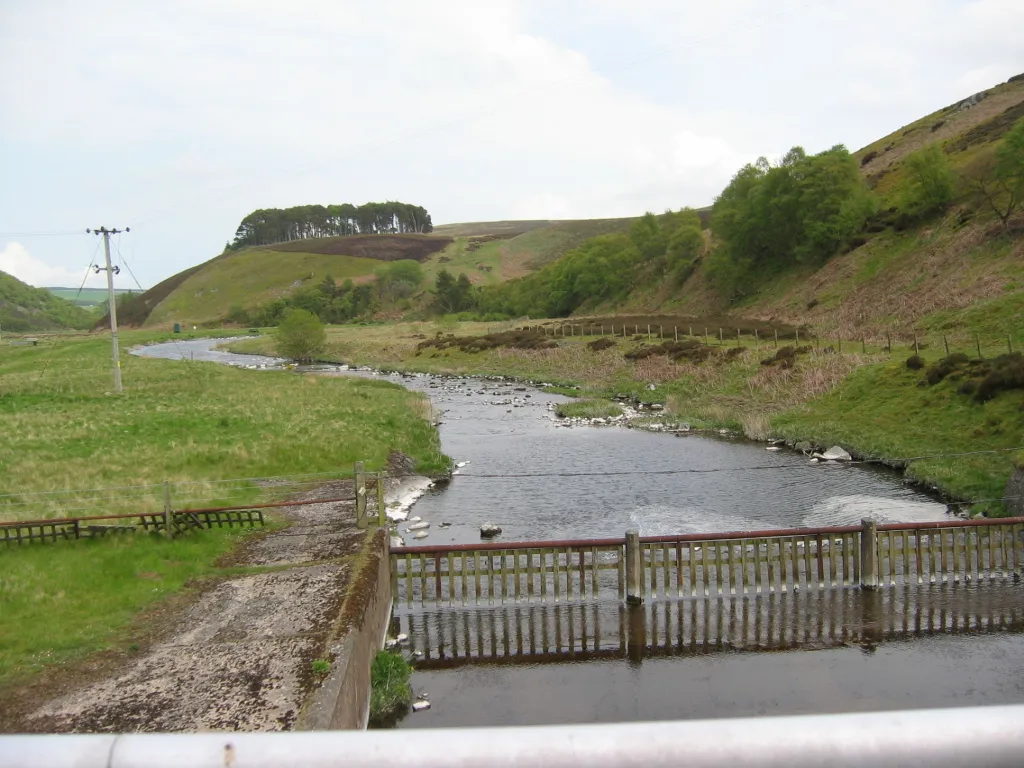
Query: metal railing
(989, 736)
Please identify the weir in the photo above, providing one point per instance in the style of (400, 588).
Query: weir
(704, 565)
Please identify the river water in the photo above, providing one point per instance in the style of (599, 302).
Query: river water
(540, 480)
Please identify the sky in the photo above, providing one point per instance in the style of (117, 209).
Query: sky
(177, 119)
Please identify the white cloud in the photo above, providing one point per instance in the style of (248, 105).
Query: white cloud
(16, 260)
(178, 119)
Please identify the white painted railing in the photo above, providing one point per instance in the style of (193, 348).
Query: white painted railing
(989, 736)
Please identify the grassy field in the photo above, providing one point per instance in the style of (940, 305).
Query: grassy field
(194, 425)
(863, 397)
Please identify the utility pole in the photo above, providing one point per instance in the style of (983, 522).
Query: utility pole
(111, 301)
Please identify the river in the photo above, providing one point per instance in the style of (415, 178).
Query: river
(538, 479)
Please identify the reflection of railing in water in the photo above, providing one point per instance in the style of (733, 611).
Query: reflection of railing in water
(532, 634)
(701, 565)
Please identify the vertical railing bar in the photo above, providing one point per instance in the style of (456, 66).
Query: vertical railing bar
(770, 555)
(705, 567)
(821, 563)
(691, 559)
(543, 576)
(757, 566)
(679, 569)
(408, 580)
(665, 568)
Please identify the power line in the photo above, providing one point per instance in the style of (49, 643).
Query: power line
(41, 234)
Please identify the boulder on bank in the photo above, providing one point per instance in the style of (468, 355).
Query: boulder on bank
(489, 530)
(835, 453)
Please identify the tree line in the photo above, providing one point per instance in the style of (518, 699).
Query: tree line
(267, 226)
(603, 269)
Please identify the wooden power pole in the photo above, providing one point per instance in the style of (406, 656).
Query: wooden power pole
(111, 300)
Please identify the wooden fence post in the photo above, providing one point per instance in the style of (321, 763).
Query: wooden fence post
(634, 569)
(798, 337)
(863, 345)
(168, 514)
(888, 342)
(945, 343)
(738, 337)
(868, 554)
(757, 341)
(1009, 343)
(721, 338)
(977, 340)
(776, 338)
(360, 483)
(917, 349)
(382, 514)
(675, 329)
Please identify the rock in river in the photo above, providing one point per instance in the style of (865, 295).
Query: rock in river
(835, 453)
(489, 530)
(418, 526)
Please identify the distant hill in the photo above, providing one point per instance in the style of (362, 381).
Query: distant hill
(252, 277)
(27, 309)
(87, 297)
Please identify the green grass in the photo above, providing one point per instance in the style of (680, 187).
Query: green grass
(882, 411)
(61, 601)
(588, 409)
(250, 278)
(191, 424)
(390, 692)
(185, 423)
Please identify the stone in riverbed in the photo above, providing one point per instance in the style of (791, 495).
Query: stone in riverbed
(489, 530)
(421, 535)
(418, 526)
(420, 706)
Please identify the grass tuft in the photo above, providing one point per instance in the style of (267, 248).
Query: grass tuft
(390, 692)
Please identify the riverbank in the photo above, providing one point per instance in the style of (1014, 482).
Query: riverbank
(868, 401)
(199, 428)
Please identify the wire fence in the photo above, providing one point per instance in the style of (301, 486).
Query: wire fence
(974, 343)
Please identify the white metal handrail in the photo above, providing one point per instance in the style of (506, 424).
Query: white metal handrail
(989, 736)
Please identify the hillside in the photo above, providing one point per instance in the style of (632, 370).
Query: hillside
(959, 269)
(252, 277)
(27, 309)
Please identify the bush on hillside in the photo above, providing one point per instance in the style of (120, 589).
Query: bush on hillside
(915, 362)
(928, 183)
(300, 336)
(598, 344)
(1002, 373)
(941, 369)
(773, 217)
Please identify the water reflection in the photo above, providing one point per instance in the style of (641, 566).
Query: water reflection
(537, 634)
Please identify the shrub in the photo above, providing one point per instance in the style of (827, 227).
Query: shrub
(300, 336)
(598, 344)
(1001, 374)
(940, 370)
(868, 157)
(915, 362)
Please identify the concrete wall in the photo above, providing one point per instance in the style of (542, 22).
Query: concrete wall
(342, 702)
